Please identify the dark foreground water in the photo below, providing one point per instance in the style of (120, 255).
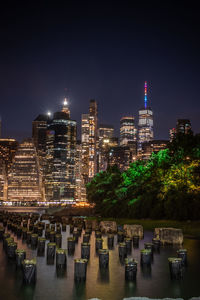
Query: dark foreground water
(107, 285)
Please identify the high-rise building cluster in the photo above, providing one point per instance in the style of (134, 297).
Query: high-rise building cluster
(183, 126)
(54, 166)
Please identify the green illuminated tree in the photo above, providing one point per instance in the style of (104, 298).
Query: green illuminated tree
(165, 186)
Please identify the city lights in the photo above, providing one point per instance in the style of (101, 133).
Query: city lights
(54, 167)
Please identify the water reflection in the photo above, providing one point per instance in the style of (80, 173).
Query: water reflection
(79, 290)
(61, 273)
(146, 271)
(28, 293)
(176, 288)
(103, 275)
(104, 284)
(130, 288)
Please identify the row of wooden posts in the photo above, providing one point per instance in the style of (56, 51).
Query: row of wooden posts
(31, 231)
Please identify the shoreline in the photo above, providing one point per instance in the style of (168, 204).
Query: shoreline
(191, 229)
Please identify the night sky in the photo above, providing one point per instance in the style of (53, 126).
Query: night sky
(104, 51)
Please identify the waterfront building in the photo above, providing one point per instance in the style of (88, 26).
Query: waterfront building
(128, 131)
(3, 179)
(145, 123)
(8, 149)
(60, 157)
(24, 178)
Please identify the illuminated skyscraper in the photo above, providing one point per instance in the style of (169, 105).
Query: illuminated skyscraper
(153, 146)
(183, 126)
(65, 108)
(8, 149)
(105, 131)
(2, 182)
(80, 194)
(105, 144)
(89, 140)
(106, 140)
(122, 156)
(128, 131)
(85, 146)
(39, 128)
(60, 157)
(145, 124)
(92, 138)
(24, 180)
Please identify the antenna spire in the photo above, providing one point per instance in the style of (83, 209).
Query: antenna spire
(145, 94)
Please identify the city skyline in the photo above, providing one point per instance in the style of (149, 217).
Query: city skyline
(21, 135)
(103, 53)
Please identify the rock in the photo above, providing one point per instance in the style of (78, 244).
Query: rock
(134, 230)
(169, 235)
(108, 226)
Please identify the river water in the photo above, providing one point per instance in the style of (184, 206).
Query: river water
(107, 285)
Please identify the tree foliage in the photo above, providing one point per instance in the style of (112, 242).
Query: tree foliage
(165, 186)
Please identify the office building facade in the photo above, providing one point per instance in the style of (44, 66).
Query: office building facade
(85, 146)
(61, 134)
(24, 178)
(39, 129)
(93, 131)
(128, 131)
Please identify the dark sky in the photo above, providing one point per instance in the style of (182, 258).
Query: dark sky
(102, 50)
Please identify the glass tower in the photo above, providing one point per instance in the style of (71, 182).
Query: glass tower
(145, 123)
(60, 157)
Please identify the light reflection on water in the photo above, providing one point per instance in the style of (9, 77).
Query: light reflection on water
(104, 284)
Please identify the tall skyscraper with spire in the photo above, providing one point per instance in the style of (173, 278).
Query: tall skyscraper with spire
(145, 123)
(65, 107)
